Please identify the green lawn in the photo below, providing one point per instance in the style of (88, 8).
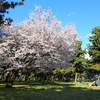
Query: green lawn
(31, 90)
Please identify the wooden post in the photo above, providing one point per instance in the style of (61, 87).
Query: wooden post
(75, 77)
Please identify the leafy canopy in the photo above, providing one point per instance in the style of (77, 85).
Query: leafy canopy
(4, 6)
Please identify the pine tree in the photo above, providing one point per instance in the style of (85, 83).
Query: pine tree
(94, 48)
(4, 6)
(94, 51)
(79, 60)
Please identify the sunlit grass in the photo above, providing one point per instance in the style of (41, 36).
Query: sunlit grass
(54, 90)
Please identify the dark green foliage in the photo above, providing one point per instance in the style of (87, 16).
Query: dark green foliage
(95, 68)
(4, 6)
(79, 61)
(63, 74)
(54, 74)
(94, 52)
(94, 48)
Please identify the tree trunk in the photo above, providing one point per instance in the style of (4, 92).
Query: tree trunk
(10, 79)
(75, 77)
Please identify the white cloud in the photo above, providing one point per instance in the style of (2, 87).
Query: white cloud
(71, 13)
(88, 35)
(87, 55)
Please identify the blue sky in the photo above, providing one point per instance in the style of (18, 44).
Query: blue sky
(84, 13)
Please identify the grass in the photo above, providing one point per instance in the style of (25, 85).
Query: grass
(55, 90)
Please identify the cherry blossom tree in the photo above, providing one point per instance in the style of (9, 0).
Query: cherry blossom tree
(38, 42)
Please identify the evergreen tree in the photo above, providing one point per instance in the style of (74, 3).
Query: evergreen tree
(94, 48)
(4, 6)
(79, 60)
(94, 51)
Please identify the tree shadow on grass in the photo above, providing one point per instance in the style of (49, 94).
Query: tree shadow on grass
(49, 91)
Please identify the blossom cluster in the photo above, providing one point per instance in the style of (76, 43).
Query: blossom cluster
(40, 41)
